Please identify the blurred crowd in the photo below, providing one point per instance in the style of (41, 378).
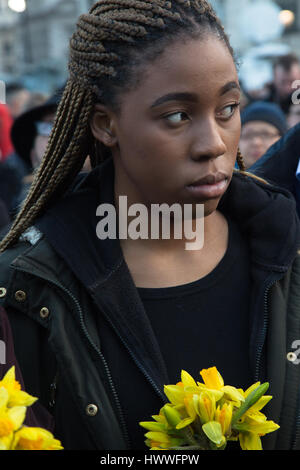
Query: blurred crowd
(27, 118)
(267, 114)
(26, 122)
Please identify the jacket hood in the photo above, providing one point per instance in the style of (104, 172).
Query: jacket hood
(265, 214)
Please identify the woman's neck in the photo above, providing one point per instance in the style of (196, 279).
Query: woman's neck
(167, 263)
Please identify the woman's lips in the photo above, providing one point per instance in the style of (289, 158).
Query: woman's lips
(206, 191)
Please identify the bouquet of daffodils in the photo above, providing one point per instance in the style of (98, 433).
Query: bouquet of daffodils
(13, 405)
(205, 416)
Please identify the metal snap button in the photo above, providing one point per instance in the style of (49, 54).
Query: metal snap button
(291, 356)
(20, 296)
(44, 313)
(91, 410)
(3, 292)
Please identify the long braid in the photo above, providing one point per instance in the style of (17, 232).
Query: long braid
(93, 67)
(240, 161)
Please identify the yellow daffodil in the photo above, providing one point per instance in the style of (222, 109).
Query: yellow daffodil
(206, 415)
(13, 434)
(252, 430)
(223, 415)
(11, 419)
(35, 439)
(17, 397)
(205, 406)
(213, 431)
(162, 440)
(214, 381)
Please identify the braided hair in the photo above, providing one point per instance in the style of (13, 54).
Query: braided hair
(108, 46)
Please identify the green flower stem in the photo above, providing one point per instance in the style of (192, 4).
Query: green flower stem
(188, 435)
(251, 399)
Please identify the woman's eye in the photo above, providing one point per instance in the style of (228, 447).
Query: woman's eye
(177, 118)
(228, 111)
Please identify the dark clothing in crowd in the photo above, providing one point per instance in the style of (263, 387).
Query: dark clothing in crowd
(96, 344)
(272, 97)
(279, 165)
(4, 215)
(10, 185)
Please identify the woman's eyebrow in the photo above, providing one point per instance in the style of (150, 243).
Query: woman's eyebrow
(183, 96)
(228, 87)
(192, 97)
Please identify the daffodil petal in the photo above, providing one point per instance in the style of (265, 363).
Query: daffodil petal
(153, 426)
(260, 427)
(250, 389)
(184, 423)
(187, 379)
(212, 378)
(9, 378)
(157, 436)
(233, 394)
(20, 398)
(4, 396)
(214, 433)
(5, 442)
(261, 403)
(174, 393)
(250, 441)
(17, 415)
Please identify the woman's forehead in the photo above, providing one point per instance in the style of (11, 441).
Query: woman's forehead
(198, 65)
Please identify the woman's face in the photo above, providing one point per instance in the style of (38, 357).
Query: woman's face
(179, 125)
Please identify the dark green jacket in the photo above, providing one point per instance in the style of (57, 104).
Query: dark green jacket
(52, 289)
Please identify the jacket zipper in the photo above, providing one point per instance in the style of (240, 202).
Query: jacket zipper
(263, 331)
(297, 429)
(116, 398)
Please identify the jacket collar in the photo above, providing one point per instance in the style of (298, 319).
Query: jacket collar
(266, 214)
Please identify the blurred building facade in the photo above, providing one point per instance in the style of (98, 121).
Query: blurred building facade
(230, 12)
(34, 44)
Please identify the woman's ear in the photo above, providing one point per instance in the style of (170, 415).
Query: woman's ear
(102, 126)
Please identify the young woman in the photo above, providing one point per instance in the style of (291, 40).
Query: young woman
(101, 325)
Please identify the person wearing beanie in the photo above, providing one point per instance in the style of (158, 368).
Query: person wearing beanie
(263, 124)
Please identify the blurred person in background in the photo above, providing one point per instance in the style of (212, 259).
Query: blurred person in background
(17, 98)
(30, 133)
(286, 71)
(281, 164)
(263, 124)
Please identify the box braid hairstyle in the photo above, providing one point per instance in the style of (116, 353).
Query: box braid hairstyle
(106, 50)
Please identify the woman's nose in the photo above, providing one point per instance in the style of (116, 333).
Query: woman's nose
(207, 141)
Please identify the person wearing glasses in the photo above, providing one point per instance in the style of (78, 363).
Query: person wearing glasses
(263, 124)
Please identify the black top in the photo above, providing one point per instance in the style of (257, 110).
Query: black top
(206, 323)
